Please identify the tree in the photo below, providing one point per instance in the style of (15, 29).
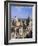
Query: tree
(28, 20)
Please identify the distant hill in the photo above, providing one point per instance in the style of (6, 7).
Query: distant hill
(22, 18)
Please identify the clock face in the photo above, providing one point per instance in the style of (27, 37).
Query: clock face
(17, 23)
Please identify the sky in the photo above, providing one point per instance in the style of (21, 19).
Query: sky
(21, 11)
